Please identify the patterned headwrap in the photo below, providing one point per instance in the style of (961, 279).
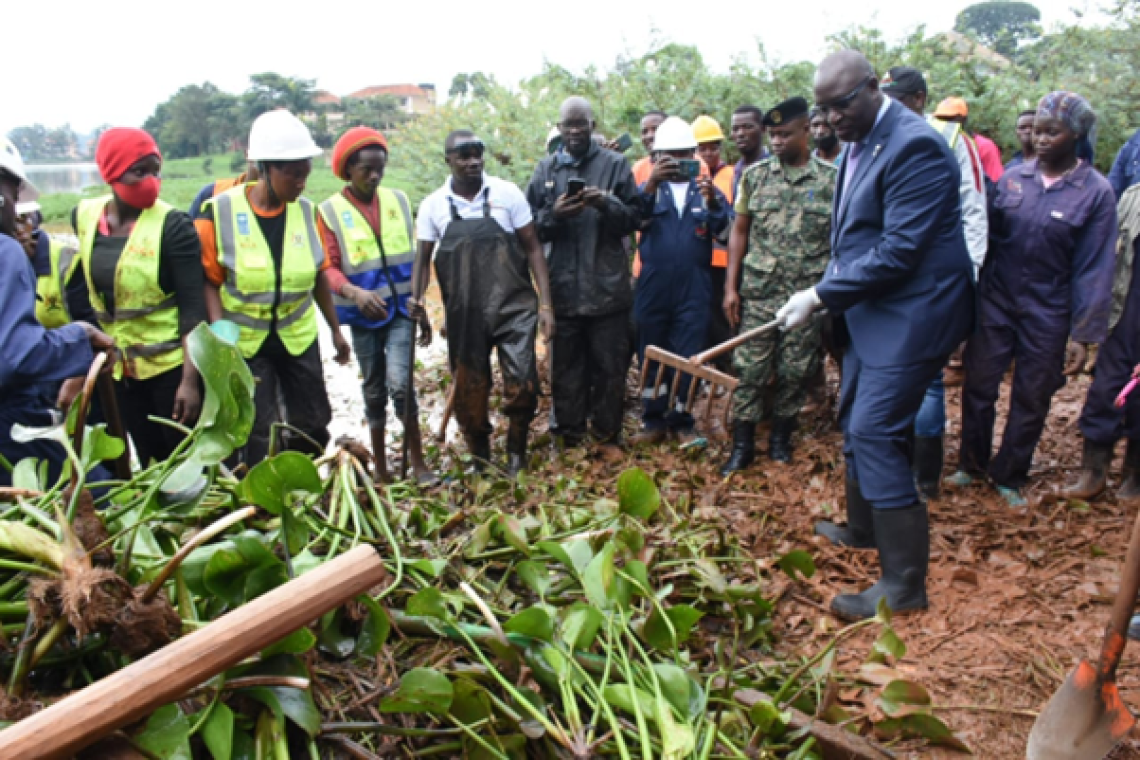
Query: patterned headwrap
(1074, 112)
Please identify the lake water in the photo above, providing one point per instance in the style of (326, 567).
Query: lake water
(64, 178)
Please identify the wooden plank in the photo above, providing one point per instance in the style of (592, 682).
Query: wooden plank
(134, 692)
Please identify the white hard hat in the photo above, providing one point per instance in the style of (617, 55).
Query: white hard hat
(29, 207)
(13, 163)
(674, 134)
(280, 136)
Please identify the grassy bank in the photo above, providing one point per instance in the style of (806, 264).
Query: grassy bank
(183, 178)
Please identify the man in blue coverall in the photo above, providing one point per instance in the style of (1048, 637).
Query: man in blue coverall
(681, 215)
(32, 359)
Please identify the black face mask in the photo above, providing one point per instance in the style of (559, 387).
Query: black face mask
(827, 144)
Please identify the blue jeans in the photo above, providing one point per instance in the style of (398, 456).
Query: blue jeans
(930, 421)
(383, 354)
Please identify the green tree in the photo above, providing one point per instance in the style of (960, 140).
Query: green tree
(31, 142)
(1002, 24)
(268, 91)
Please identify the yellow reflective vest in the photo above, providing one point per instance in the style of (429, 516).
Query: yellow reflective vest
(249, 294)
(362, 259)
(51, 288)
(145, 321)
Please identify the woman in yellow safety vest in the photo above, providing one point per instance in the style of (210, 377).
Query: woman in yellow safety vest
(367, 231)
(139, 261)
(265, 271)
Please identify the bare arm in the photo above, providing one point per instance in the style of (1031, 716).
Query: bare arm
(529, 238)
(213, 302)
(323, 294)
(737, 247)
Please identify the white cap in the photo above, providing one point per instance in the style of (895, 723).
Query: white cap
(27, 207)
(674, 134)
(13, 163)
(280, 136)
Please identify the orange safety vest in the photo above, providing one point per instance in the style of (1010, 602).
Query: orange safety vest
(723, 182)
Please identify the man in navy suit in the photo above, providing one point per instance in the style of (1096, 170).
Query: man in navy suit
(902, 282)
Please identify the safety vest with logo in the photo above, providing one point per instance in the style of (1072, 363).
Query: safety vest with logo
(249, 296)
(51, 301)
(951, 131)
(144, 323)
(384, 264)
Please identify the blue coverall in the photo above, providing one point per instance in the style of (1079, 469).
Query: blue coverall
(674, 292)
(1048, 278)
(32, 361)
(1101, 422)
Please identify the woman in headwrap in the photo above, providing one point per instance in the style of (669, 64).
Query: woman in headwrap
(367, 232)
(142, 274)
(1047, 281)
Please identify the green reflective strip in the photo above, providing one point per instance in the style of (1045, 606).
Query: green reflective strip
(260, 299)
(224, 218)
(144, 352)
(407, 209)
(66, 260)
(296, 315)
(244, 320)
(121, 315)
(311, 228)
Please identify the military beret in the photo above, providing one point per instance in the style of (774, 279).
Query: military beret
(790, 110)
(903, 80)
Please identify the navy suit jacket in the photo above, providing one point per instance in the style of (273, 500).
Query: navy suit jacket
(900, 273)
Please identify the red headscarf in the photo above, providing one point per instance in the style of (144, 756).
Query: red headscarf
(352, 141)
(119, 148)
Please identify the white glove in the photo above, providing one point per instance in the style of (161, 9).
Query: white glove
(798, 310)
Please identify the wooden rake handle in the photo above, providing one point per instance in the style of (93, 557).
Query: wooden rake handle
(728, 345)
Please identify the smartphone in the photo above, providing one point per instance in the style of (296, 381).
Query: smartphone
(624, 143)
(689, 167)
(575, 186)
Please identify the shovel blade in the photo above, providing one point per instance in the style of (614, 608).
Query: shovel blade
(1084, 720)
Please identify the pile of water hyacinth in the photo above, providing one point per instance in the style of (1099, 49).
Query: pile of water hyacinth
(520, 618)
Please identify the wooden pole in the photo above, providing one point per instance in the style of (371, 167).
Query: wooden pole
(166, 676)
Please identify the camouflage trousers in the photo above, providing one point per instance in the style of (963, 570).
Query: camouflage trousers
(792, 357)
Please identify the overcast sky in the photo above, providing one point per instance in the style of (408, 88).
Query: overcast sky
(90, 63)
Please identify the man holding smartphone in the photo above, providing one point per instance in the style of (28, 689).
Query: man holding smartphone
(584, 203)
(683, 212)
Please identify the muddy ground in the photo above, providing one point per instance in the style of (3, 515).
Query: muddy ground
(1018, 596)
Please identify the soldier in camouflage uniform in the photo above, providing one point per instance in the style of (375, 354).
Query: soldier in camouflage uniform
(779, 245)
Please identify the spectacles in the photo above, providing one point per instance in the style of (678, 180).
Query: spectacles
(468, 149)
(842, 104)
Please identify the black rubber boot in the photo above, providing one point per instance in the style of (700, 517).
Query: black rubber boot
(928, 455)
(516, 447)
(1095, 459)
(859, 532)
(903, 538)
(780, 439)
(479, 447)
(1130, 487)
(743, 448)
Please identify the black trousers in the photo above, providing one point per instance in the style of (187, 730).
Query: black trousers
(302, 384)
(591, 361)
(153, 397)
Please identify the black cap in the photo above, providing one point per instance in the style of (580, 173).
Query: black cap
(903, 80)
(789, 110)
